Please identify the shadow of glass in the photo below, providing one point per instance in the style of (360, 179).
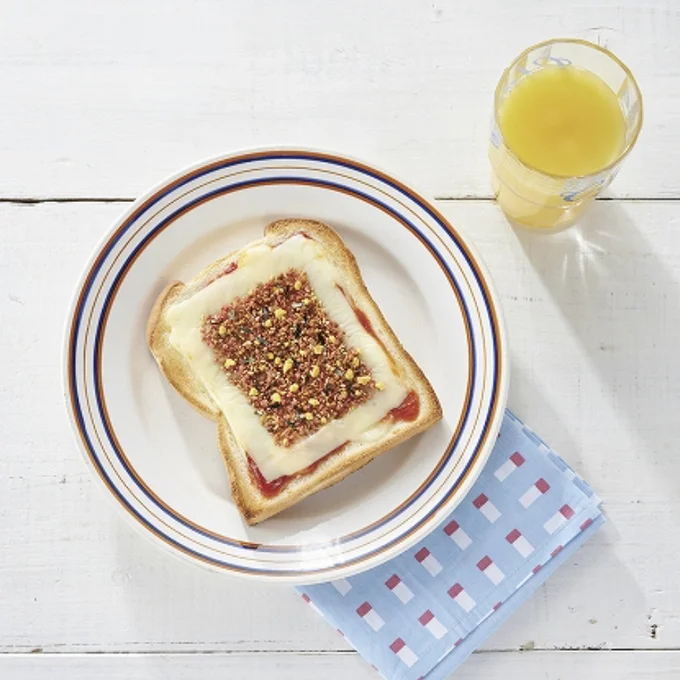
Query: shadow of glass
(531, 403)
(623, 304)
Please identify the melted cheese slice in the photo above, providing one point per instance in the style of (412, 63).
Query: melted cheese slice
(257, 265)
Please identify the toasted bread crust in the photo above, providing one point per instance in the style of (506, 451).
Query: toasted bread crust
(171, 362)
(253, 505)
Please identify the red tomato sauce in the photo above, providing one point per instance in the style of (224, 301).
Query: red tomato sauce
(270, 488)
(364, 321)
(408, 410)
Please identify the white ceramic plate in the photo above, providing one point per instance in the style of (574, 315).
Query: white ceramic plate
(159, 459)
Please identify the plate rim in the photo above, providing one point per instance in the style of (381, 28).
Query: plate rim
(497, 406)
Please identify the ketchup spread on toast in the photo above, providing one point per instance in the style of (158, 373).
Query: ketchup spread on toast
(364, 321)
(360, 314)
(408, 410)
(271, 488)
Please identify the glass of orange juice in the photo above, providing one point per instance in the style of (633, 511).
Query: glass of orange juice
(566, 114)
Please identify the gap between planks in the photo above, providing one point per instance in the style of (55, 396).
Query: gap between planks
(482, 199)
(317, 652)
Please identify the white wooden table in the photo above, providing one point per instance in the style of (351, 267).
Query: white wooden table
(99, 100)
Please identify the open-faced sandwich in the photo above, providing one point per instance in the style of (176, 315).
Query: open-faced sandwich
(282, 345)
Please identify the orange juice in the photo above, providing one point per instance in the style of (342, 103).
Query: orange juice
(566, 114)
(564, 121)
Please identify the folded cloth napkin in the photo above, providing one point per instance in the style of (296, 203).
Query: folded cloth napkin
(421, 614)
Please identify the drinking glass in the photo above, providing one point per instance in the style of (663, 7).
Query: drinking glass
(546, 201)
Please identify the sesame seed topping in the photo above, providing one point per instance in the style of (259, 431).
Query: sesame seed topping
(279, 340)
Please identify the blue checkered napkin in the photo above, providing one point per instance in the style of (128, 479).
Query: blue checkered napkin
(424, 612)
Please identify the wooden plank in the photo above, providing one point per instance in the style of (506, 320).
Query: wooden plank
(593, 318)
(105, 99)
(488, 666)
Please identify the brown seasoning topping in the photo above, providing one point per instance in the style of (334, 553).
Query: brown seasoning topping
(280, 348)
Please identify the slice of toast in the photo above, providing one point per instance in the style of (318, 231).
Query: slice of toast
(282, 345)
